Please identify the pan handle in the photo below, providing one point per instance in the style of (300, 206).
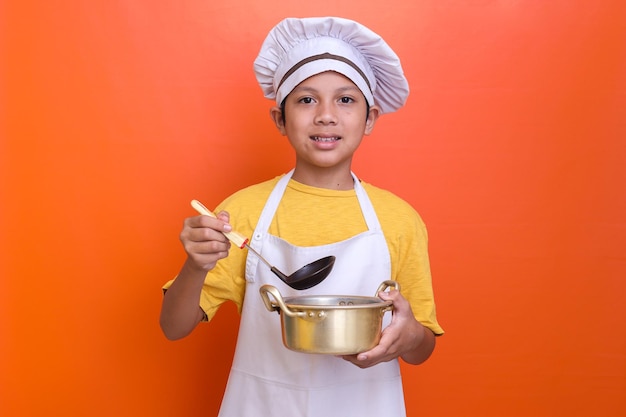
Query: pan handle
(387, 284)
(280, 304)
(382, 287)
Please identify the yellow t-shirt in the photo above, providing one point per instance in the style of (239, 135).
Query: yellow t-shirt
(309, 216)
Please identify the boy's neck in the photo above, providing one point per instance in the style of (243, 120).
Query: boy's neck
(325, 179)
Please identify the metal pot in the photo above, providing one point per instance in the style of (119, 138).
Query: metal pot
(329, 324)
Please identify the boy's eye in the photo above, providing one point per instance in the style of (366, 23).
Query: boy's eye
(306, 100)
(346, 100)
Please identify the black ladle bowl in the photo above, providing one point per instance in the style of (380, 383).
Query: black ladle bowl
(309, 275)
(306, 277)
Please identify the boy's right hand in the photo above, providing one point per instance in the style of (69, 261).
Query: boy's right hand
(204, 242)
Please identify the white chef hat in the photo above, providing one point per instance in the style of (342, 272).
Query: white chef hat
(296, 49)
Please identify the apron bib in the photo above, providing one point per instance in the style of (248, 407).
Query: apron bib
(266, 378)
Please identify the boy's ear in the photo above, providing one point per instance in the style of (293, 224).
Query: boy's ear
(277, 116)
(372, 116)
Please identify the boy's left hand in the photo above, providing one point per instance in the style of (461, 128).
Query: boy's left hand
(403, 336)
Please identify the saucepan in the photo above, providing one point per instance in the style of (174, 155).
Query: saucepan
(329, 324)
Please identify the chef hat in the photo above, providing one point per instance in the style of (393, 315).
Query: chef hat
(296, 49)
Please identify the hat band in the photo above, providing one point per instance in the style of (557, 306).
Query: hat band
(323, 56)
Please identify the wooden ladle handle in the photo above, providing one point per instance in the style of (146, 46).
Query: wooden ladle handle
(237, 238)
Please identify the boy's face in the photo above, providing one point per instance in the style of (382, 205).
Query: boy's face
(326, 119)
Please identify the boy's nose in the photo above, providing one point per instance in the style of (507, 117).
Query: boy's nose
(325, 114)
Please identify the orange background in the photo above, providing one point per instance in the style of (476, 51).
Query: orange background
(512, 146)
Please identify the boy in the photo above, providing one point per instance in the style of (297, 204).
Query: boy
(331, 79)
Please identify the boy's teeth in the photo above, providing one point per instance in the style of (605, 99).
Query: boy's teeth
(318, 139)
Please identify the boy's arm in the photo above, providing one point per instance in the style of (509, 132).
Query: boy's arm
(205, 244)
(423, 352)
(180, 311)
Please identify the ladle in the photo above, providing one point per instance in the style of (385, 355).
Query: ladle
(306, 277)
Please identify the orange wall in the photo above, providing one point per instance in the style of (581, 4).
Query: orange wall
(511, 146)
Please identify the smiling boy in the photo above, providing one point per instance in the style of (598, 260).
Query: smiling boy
(331, 78)
(328, 117)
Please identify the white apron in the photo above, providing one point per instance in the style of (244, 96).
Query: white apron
(269, 380)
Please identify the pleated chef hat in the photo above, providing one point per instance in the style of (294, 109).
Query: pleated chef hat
(296, 49)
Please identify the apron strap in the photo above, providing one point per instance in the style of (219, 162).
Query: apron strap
(264, 222)
(366, 206)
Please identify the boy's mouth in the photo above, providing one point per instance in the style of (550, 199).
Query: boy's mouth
(325, 139)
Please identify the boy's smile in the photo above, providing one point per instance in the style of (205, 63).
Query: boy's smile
(321, 139)
(325, 119)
